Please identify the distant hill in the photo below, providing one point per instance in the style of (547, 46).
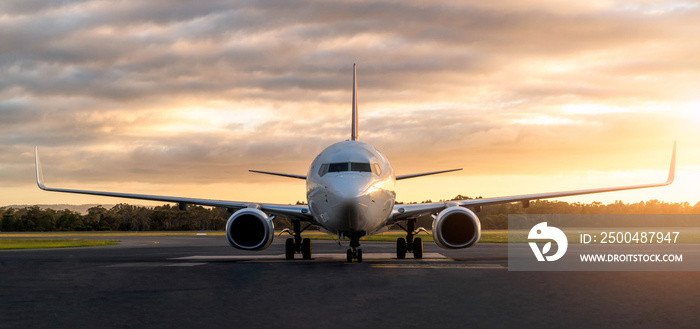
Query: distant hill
(82, 208)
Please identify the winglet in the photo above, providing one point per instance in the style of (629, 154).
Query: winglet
(39, 172)
(354, 134)
(672, 170)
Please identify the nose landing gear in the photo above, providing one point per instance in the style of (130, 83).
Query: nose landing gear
(354, 253)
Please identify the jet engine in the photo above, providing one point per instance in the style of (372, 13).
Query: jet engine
(250, 229)
(456, 228)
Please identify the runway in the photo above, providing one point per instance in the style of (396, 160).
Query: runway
(201, 282)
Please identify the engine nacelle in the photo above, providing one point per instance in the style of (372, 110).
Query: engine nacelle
(250, 229)
(456, 228)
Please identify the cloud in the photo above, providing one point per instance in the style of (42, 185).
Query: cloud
(180, 91)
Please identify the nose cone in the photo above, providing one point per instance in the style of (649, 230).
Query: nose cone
(349, 187)
(349, 200)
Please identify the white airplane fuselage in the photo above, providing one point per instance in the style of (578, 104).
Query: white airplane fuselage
(350, 189)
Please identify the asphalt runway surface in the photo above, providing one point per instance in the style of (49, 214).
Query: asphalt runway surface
(201, 282)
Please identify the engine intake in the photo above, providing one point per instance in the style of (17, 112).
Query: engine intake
(456, 228)
(250, 229)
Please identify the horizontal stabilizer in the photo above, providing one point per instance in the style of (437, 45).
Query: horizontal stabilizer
(425, 174)
(278, 174)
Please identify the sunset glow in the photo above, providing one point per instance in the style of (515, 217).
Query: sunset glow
(182, 99)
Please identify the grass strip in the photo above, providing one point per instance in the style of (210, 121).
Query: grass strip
(487, 236)
(490, 236)
(48, 243)
(101, 233)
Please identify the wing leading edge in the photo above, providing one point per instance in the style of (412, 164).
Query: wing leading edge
(407, 211)
(297, 211)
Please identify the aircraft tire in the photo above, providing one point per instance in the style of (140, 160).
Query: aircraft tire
(306, 248)
(289, 249)
(400, 248)
(418, 248)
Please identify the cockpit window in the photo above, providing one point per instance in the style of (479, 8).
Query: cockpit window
(323, 170)
(348, 166)
(338, 167)
(376, 169)
(362, 167)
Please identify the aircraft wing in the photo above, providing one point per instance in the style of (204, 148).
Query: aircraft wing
(297, 211)
(414, 210)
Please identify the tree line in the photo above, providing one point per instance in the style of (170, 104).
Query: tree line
(125, 217)
(496, 216)
(121, 217)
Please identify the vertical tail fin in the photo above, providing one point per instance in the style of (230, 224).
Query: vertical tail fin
(354, 135)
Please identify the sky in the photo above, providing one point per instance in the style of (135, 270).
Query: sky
(181, 98)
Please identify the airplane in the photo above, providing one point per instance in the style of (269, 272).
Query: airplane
(350, 189)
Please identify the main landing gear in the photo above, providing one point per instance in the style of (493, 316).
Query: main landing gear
(297, 244)
(354, 253)
(410, 244)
